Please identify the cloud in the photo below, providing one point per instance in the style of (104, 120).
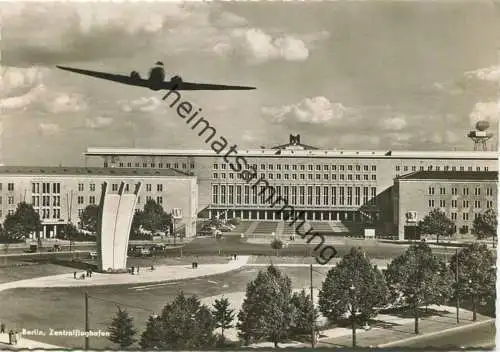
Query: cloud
(20, 87)
(48, 128)
(489, 111)
(394, 123)
(98, 122)
(144, 104)
(62, 102)
(257, 46)
(491, 74)
(317, 110)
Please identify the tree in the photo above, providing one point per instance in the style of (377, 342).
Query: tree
(22, 223)
(276, 245)
(122, 329)
(485, 225)
(418, 278)
(355, 287)
(437, 223)
(303, 316)
(153, 218)
(183, 324)
(476, 274)
(68, 232)
(88, 218)
(223, 316)
(266, 312)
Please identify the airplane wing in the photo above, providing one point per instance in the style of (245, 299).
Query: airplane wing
(173, 85)
(109, 76)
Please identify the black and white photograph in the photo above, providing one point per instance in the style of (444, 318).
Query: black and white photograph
(249, 175)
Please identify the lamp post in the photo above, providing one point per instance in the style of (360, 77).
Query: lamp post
(458, 288)
(353, 314)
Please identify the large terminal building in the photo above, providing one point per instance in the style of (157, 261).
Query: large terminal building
(339, 191)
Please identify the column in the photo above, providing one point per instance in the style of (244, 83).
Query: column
(44, 231)
(55, 231)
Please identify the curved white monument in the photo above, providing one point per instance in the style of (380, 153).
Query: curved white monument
(116, 212)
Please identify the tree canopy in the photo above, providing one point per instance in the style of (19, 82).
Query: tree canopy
(22, 223)
(183, 324)
(485, 225)
(88, 218)
(303, 316)
(476, 273)
(418, 278)
(152, 218)
(353, 286)
(437, 223)
(266, 312)
(122, 329)
(223, 315)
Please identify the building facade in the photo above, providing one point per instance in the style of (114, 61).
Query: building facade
(328, 185)
(60, 194)
(460, 195)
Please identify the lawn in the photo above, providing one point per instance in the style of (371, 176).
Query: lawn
(63, 308)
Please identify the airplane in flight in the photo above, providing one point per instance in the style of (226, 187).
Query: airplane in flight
(155, 81)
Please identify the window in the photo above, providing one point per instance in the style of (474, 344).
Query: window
(287, 176)
(10, 186)
(159, 200)
(215, 194)
(406, 168)
(465, 216)
(80, 200)
(477, 191)
(365, 177)
(223, 194)
(184, 165)
(453, 203)
(365, 167)
(286, 167)
(309, 176)
(489, 191)
(10, 200)
(442, 203)
(398, 168)
(148, 187)
(334, 167)
(489, 204)
(92, 199)
(325, 176)
(318, 195)
(466, 191)
(374, 167)
(442, 190)
(238, 194)
(215, 175)
(325, 195)
(318, 167)
(176, 165)
(365, 195)
(302, 176)
(431, 203)
(278, 167)
(80, 187)
(465, 203)
(129, 164)
(216, 166)
(357, 194)
(302, 191)
(310, 167)
(56, 201)
(349, 195)
(349, 167)
(334, 195)
(309, 194)
(159, 187)
(431, 190)
(358, 177)
(144, 164)
(325, 167)
(247, 195)
(114, 187)
(374, 177)
(231, 194)
(454, 191)
(318, 177)
(453, 216)
(302, 167)
(374, 194)
(262, 166)
(341, 196)
(413, 168)
(294, 194)
(92, 187)
(477, 204)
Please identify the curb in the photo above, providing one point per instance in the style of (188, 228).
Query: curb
(394, 343)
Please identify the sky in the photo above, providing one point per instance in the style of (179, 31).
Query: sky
(344, 75)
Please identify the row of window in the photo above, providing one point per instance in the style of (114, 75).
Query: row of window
(56, 201)
(10, 200)
(301, 195)
(465, 216)
(46, 187)
(10, 187)
(154, 165)
(302, 167)
(318, 177)
(465, 191)
(114, 187)
(45, 213)
(465, 203)
(438, 168)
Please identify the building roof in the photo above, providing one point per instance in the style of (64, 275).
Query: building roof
(319, 153)
(452, 175)
(71, 170)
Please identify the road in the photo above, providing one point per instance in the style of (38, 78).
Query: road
(479, 336)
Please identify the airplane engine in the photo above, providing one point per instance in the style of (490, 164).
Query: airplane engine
(135, 74)
(176, 79)
(157, 75)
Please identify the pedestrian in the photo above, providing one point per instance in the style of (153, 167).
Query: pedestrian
(14, 337)
(74, 274)
(90, 272)
(2, 328)
(11, 337)
(133, 269)
(137, 269)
